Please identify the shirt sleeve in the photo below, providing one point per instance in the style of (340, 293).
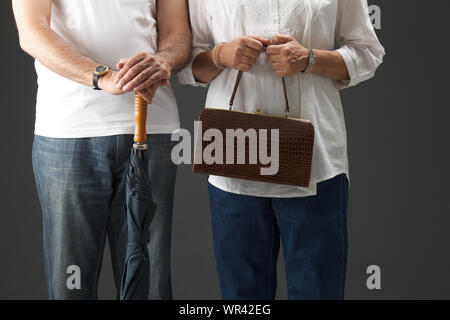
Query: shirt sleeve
(360, 48)
(203, 39)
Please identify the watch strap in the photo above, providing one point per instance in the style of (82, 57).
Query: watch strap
(311, 62)
(97, 74)
(95, 81)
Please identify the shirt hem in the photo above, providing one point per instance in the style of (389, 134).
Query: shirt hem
(105, 132)
(301, 194)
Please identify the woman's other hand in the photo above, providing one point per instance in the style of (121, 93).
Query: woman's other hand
(288, 57)
(241, 53)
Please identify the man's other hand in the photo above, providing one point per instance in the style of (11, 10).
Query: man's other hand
(142, 71)
(107, 83)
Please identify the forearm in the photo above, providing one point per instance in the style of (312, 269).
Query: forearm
(176, 50)
(330, 64)
(203, 68)
(52, 51)
(174, 33)
(45, 45)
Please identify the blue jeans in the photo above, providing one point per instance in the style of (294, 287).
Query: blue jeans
(313, 232)
(81, 188)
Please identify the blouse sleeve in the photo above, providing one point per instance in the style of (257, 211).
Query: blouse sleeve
(203, 39)
(360, 48)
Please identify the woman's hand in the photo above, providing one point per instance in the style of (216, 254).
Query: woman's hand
(288, 57)
(241, 53)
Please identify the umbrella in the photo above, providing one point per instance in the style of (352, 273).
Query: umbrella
(140, 210)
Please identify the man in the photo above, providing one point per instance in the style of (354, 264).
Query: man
(83, 137)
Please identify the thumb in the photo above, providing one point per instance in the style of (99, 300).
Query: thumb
(281, 38)
(261, 39)
(264, 41)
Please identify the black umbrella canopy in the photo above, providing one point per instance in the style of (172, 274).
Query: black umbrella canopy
(140, 210)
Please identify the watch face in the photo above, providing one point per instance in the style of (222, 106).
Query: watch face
(101, 70)
(312, 58)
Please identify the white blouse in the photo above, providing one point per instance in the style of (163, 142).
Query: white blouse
(315, 24)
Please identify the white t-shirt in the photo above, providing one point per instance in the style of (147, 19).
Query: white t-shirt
(105, 31)
(316, 24)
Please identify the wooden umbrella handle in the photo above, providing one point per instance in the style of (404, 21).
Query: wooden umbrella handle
(140, 119)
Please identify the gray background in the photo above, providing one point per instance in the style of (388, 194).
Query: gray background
(399, 156)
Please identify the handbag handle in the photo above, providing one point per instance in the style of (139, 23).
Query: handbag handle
(236, 86)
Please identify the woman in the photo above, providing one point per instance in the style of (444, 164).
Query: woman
(248, 217)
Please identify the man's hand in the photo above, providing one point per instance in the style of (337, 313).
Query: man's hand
(142, 71)
(241, 53)
(145, 92)
(107, 84)
(149, 93)
(288, 57)
(145, 73)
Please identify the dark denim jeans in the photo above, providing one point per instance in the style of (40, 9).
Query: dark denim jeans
(81, 188)
(313, 232)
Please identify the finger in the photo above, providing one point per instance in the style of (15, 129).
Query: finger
(154, 79)
(278, 69)
(244, 67)
(145, 95)
(140, 72)
(276, 66)
(254, 44)
(151, 90)
(138, 78)
(247, 60)
(275, 57)
(120, 65)
(251, 53)
(129, 64)
(281, 38)
(164, 83)
(261, 39)
(274, 49)
(124, 66)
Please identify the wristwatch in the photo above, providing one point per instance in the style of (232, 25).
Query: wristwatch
(99, 71)
(311, 61)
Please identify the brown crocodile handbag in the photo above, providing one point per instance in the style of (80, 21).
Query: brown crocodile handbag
(295, 145)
